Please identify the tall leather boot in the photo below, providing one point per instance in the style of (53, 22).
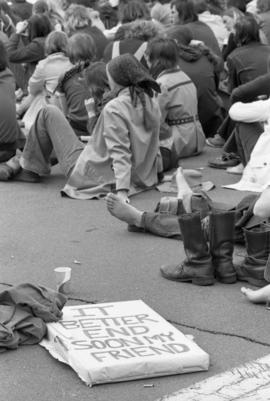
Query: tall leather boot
(221, 238)
(257, 247)
(197, 267)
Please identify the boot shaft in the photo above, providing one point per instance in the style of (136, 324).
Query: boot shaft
(221, 238)
(257, 242)
(195, 244)
(221, 235)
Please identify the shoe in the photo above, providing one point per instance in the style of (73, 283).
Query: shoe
(215, 142)
(197, 267)
(6, 172)
(254, 265)
(221, 238)
(26, 176)
(224, 161)
(236, 170)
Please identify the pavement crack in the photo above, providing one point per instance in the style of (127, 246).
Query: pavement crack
(220, 333)
(86, 301)
(214, 332)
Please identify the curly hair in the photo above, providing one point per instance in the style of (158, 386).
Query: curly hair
(144, 30)
(76, 17)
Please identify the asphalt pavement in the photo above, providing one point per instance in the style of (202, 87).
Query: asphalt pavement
(40, 230)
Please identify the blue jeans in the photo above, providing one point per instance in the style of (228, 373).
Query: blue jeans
(51, 132)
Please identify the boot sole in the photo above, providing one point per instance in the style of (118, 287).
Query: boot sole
(228, 279)
(253, 281)
(203, 281)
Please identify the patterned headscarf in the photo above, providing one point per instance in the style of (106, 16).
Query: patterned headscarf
(128, 72)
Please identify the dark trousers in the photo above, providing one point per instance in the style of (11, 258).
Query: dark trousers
(243, 139)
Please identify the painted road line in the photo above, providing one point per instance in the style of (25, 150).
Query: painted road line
(248, 382)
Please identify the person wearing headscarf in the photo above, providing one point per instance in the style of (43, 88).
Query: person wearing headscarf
(121, 155)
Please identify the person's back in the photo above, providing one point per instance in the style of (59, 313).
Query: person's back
(200, 31)
(188, 16)
(250, 59)
(8, 123)
(131, 45)
(178, 103)
(201, 72)
(76, 93)
(143, 140)
(247, 62)
(99, 38)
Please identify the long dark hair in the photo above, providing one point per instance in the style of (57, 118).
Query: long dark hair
(3, 57)
(39, 26)
(247, 30)
(186, 11)
(162, 54)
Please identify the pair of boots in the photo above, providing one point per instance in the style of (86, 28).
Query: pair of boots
(203, 263)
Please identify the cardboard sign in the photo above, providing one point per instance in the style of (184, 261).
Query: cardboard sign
(121, 341)
(248, 382)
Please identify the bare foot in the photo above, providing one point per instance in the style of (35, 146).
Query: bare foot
(10, 168)
(183, 187)
(123, 211)
(14, 163)
(257, 296)
(184, 191)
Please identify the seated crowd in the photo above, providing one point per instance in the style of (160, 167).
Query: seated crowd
(118, 92)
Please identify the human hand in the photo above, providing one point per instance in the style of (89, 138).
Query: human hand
(21, 26)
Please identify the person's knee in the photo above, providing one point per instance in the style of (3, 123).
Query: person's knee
(262, 208)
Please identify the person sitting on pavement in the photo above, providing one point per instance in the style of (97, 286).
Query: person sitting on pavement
(203, 67)
(245, 63)
(78, 20)
(188, 16)
(27, 44)
(256, 173)
(181, 133)
(135, 40)
(44, 79)
(9, 129)
(123, 152)
(246, 133)
(81, 52)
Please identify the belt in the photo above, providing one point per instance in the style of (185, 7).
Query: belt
(180, 121)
